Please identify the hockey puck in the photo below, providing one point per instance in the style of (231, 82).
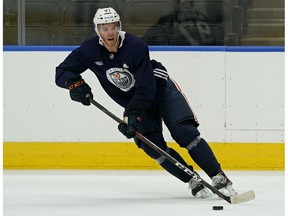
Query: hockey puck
(217, 207)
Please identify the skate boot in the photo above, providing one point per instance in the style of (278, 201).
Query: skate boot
(223, 184)
(197, 188)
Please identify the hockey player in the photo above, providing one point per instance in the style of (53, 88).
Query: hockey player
(148, 95)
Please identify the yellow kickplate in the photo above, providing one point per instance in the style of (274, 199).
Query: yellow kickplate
(127, 156)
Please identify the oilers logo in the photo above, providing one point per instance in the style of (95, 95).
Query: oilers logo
(121, 78)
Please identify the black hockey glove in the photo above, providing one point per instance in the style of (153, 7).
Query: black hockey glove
(130, 124)
(80, 91)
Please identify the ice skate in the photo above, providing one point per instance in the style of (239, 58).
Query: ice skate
(197, 188)
(223, 184)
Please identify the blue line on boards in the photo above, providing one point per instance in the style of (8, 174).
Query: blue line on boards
(157, 48)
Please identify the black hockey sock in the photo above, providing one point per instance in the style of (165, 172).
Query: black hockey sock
(173, 169)
(204, 157)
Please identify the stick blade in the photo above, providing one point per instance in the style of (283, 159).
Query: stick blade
(244, 197)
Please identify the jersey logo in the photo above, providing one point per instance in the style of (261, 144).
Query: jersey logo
(121, 78)
(99, 63)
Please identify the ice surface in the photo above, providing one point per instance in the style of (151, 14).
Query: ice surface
(132, 193)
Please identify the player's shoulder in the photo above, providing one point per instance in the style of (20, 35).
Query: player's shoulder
(90, 47)
(136, 42)
(90, 42)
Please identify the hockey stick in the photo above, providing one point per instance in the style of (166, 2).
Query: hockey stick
(239, 198)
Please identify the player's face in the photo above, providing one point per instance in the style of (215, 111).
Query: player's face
(109, 33)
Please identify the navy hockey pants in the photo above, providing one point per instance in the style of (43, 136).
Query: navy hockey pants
(174, 110)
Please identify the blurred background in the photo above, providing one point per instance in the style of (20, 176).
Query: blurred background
(158, 22)
(39, 128)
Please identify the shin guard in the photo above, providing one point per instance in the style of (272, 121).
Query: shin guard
(204, 157)
(172, 168)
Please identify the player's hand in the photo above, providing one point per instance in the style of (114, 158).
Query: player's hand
(80, 91)
(130, 124)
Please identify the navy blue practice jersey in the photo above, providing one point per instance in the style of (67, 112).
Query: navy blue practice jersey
(129, 77)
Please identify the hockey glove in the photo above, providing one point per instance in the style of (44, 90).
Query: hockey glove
(80, 91)
(130, 124)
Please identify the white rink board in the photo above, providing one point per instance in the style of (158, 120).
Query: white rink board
(255, 97)
(35, 109)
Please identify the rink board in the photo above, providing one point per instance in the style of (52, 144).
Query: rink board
(127, 156)
(237, 94)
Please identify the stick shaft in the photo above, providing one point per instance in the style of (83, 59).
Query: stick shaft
(159, 150)
(181, 166)
(102, 108)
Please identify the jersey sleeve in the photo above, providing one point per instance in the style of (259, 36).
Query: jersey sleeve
(70, 68)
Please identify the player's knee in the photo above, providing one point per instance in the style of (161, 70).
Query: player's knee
(161, 159)
(150, 151)
(186, 134)
(157, 140)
